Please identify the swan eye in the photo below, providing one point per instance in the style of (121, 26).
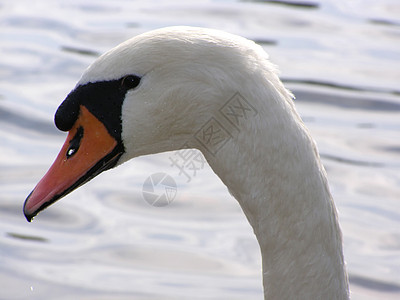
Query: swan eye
(75, 143)
(130, 82)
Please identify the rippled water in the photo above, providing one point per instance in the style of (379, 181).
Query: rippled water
(103, 241)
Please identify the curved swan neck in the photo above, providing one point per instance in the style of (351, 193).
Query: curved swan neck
(272, 168)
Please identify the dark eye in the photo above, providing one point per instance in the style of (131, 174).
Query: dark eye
(130, 82)
(75, 143)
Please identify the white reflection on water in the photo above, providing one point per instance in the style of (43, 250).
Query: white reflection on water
(103, 241)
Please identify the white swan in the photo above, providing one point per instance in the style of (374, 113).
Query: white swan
(180, 86)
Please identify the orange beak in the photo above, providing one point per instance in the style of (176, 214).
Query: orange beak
(88, 150)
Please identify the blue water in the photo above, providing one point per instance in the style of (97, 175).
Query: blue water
(104, 241)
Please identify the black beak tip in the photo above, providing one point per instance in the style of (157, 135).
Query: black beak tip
(28, 215)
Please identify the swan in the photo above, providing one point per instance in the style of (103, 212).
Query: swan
(181, 87)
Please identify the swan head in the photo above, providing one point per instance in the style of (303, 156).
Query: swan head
(150, 94)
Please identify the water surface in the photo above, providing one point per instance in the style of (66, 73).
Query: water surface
(103, 241)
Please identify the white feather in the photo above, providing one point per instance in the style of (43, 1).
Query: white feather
(270, 165)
